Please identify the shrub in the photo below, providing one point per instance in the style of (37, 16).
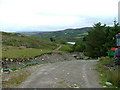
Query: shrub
(109, 72)
(113, 76)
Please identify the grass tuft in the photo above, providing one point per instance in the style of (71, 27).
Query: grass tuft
(109, 72)
(16, 79)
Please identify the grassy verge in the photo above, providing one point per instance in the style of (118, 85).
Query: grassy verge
(17, 52)
(14, 78)
(109, 73)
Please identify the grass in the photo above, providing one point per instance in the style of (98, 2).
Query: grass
(66, 48)
(16, 52)
(108, 74)
(16, 78)
(15, 39)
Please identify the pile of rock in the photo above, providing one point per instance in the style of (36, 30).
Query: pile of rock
(79, 55)
(43, 58)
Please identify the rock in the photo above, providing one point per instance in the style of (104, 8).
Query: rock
(56, 78)
(11, 60)
(104, 86)
(10, 71)
(19, 63)
(6, 59)
(1, 70)
(5, 80)
(68, 73)
(16, 70)
(77, 57)
(6, 72)
(108, 83)
(75, 86)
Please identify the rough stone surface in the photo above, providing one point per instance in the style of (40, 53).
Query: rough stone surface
(80, 73)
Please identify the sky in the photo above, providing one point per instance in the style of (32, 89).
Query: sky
(53, 15)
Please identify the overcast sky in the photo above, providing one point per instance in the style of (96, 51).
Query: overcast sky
(47, 15)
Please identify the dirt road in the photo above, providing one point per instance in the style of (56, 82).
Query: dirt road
(58, 47)
(78, 73)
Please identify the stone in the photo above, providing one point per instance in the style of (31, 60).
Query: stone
(11, 60)
(104, 86)
(10, 71)
(108, 83)
(6, 59)
(68, 73)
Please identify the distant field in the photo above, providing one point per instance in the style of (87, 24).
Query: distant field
(16, 52)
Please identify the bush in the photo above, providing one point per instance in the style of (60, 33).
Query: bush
(113, 76)
(106, 61)
(109, 72)
(79, 46)
(99, 39)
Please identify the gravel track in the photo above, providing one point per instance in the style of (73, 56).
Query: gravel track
(67, 74)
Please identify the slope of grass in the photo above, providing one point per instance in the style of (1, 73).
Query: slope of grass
(109, 73)
(15, 45)
(17, 52)
(14, 39)
(66, 48)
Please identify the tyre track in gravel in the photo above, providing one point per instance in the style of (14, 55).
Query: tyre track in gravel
(64, 75)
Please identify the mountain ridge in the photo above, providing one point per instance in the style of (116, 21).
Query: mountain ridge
(52, 31)
(67, 34)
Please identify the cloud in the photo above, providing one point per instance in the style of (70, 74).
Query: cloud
(55, 13)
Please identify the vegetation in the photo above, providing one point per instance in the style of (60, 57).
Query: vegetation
(62, 41)
(79, 46)
(98, 41)
(15, 45)
(109, 73)
(52, 39)
(17, 52)
(68, 34)
(66, 48)
(96, 44)
(16, 78)
(18, 40)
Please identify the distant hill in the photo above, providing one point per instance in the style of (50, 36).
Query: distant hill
(16, 39)
(68, 34)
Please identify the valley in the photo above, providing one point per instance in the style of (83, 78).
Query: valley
(59, 59)
(60, 44)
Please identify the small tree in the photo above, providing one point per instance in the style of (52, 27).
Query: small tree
(52, 39)
(79, 46)
(95, 40)
(100, 38)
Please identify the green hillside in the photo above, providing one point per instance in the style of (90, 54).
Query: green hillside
(18, 40)
(68, 34)
(15, 45)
